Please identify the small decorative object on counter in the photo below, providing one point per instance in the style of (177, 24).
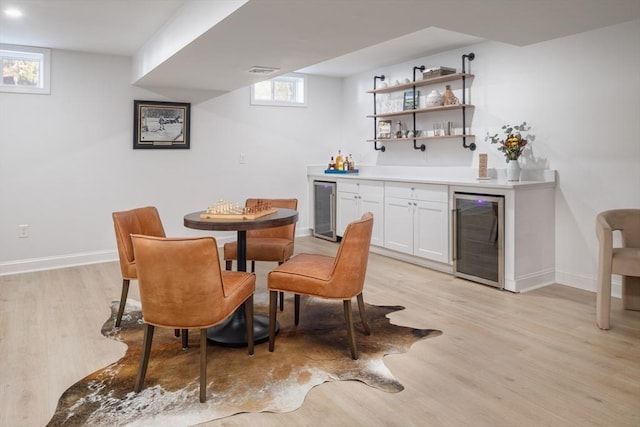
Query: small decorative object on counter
(339, 161)
(512, 146)
(449, 98)
(513, 170)
(434, 99)
(482, 166)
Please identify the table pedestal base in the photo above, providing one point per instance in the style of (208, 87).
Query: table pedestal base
(233, 331)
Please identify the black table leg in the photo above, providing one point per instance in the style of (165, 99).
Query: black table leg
(233, 331)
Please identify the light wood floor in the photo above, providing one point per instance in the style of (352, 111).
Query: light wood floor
(504, 359)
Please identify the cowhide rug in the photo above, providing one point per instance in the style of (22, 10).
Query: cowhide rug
(314, 352)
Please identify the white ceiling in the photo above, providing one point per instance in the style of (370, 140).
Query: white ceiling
(329, 37)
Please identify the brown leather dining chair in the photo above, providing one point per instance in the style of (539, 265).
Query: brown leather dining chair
(182, 286)
(341, 277)
(267, 244)
(145, 221)
(624, 261)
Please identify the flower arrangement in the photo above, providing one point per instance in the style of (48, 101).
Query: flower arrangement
(514, 143)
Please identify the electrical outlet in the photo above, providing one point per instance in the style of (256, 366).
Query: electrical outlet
(23, 230)
(243, 158)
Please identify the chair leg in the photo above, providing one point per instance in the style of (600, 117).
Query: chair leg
(203, 365)
(248, 310)
(363, 314)
(176, 332)
(144, 358)
(603, 297)
(185, 339)
(296, 309)
(350, 332)
(123, 301)
(253, 266)
(228, 264)
(272, 319)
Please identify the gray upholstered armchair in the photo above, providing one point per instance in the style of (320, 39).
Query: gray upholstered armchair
(624, 261)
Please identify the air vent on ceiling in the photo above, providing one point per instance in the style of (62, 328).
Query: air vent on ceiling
(263, 71)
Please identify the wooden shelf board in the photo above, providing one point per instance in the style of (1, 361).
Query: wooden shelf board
(421, 138)
(421, 110)
(424, 82)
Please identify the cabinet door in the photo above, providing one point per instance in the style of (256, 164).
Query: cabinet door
(398, 224)
(431, 231)
(347, 210)
(374, 204)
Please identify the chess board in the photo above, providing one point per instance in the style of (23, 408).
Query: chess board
(240, 216)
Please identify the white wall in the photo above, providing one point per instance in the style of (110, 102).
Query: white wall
(66, 160)
(581, 95)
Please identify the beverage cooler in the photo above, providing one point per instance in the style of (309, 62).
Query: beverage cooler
(478, 238)
(324, 210)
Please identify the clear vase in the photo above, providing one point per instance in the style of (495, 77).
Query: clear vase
(513, 170)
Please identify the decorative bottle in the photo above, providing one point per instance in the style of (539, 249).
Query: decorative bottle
(339, 161)
(449, 98)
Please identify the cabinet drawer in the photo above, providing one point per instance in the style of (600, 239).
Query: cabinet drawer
(415, 191)
(360, 186)
(432, 192)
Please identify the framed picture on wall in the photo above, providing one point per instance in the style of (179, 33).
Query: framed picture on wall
(384, 129)
(161, 124)
(410, 100)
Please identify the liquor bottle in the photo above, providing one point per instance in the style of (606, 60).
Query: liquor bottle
(352, 163)
(345, 166)
(339, 161)
(332, 164)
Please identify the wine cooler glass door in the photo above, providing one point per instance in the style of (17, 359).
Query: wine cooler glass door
(324, 210)
(478, 241)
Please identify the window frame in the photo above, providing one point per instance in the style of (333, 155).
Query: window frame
(43, 55)
(272, 102)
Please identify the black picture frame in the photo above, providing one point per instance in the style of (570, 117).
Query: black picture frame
(158, 124)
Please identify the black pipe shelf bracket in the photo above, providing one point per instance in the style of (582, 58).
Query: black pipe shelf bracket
(410, 89)
(375, 119)
(471, 146)
(420, 147)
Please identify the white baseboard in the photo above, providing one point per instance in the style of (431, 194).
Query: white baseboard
(433, 265)
(535, 281)
(54, 262)
(588, 283)
(73, 260)
(523, 284)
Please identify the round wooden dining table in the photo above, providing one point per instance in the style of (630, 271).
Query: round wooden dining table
(233, 331)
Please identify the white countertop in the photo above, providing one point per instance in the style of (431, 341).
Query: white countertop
(464, 176)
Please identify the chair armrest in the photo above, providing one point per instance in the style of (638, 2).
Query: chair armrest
(605, 238)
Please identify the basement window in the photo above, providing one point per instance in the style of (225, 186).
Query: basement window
(25, 69)
(288, 90)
